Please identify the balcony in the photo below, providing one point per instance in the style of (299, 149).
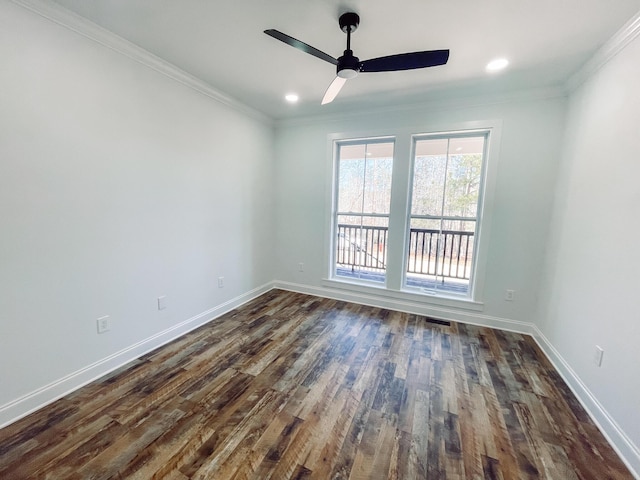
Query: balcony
(437, 260)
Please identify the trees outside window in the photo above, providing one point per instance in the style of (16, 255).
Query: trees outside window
(446, 180)
(440, 214)
(363, 184)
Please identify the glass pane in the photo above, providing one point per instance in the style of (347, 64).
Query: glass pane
(365, 178)
(429, 174)
(364, 199)
(423, 257)
(377, 191)
(440, 259)
(457, 252)
(351, 169)
(361, 247)
(446, 186)
(463, 177)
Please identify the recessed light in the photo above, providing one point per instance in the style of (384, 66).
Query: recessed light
(497, 64)
(291, 97)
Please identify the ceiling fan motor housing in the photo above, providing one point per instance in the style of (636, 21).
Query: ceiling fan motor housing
(348, 65)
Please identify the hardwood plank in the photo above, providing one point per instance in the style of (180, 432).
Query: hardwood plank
(331, 433)
(345, 457)
(363, 459)
(54, 446)
(418, 457)
(291, 386)
(273, 444)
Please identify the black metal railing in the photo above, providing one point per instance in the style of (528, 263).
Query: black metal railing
(446, 254)
(361, 246)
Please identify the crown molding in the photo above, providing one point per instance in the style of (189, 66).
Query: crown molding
(82, 26)
(606, 52)
(439, 104)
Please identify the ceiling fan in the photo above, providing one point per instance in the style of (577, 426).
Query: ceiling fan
(348, 65)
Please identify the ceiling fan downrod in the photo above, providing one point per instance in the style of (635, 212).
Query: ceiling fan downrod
(348, 64)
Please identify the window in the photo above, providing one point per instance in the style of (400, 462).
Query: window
(407, 212)
(445, 191)
(363, 185)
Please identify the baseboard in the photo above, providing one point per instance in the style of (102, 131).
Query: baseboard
(621, 443)
(47, 394)
(391, 301)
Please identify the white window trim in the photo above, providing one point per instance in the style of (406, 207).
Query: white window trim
(334, 148)
(479, 215)
(399, 213)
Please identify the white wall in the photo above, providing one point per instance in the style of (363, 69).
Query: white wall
(589, 290)
(117, 185)
(529, 153)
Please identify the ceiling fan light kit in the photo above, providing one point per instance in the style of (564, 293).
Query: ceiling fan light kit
(349, 66)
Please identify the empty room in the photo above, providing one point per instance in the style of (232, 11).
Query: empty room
(319, 240)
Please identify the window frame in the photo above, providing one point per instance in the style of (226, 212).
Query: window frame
(334, 204)
(479, 208)
(392, 290)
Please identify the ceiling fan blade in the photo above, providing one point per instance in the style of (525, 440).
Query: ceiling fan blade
(333, 90)
(283, 37)
(405, 61)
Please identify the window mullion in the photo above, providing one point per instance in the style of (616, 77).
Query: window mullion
(398, 212)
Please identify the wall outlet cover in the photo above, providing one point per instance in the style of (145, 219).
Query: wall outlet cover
(598, 355)
(104, 324)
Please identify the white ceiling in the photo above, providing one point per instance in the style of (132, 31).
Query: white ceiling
(223, 44)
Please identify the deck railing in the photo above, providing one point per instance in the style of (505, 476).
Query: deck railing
(363, 247)
(446, 253)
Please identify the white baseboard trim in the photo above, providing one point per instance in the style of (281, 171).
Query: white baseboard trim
(387, 299)
(618, 439)
(23, 406)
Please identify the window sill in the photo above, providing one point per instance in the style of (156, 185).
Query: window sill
(407, 295)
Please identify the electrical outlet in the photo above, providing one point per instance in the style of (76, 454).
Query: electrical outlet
(104, 324)
(220, 282)
(509, 294)
(162, 302)
(301, 267)
(597, 356)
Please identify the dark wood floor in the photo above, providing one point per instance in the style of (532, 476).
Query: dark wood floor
(293, 386)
